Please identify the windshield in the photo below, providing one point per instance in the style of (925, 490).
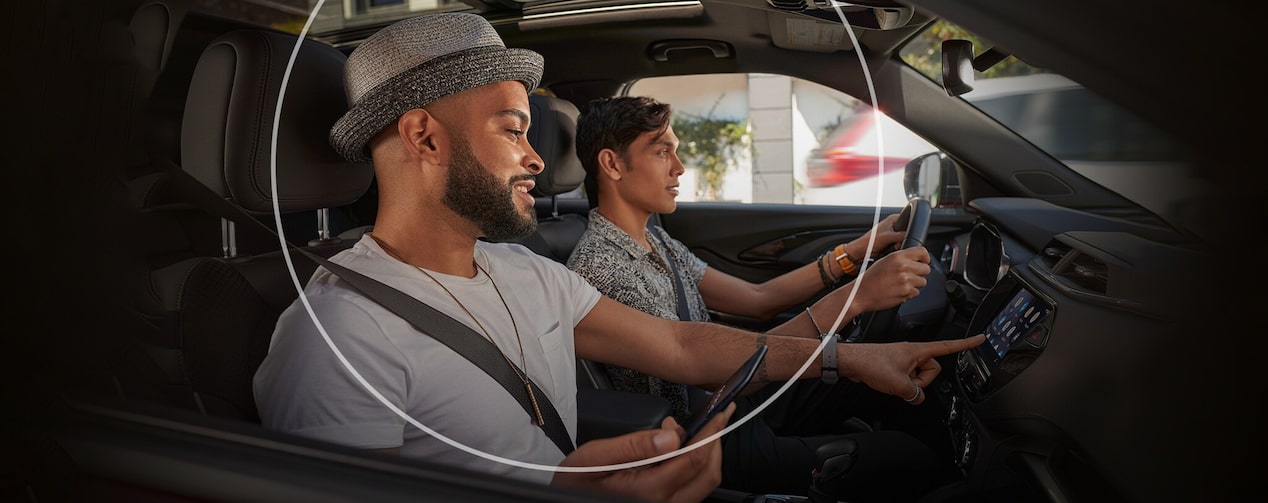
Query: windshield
(1093, 137)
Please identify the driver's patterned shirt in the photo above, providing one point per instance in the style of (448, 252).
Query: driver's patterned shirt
(622, 269)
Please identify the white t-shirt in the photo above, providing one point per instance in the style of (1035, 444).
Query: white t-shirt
(303, 388)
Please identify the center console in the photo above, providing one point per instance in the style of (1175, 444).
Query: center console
(1016, 320)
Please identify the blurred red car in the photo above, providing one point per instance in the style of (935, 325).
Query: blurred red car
(853, 152)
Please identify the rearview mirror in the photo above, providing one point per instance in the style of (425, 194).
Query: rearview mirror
(933, 177)
(957, 66)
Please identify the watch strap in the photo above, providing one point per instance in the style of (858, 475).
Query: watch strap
(829, 366)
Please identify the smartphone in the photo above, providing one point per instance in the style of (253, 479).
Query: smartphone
(726, 394)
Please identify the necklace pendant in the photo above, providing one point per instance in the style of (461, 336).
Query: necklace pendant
(533, 398)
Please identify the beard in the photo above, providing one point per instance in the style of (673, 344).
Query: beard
(475, 194)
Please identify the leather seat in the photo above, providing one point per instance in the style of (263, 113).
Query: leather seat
(553, 135)
(216, 314)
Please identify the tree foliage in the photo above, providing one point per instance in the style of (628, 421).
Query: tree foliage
(712, 146)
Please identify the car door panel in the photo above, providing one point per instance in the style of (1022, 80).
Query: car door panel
(758, 242)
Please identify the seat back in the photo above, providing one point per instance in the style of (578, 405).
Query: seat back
(553, 135)
(217, 313)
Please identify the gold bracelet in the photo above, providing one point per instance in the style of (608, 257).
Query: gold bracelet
(848, 265)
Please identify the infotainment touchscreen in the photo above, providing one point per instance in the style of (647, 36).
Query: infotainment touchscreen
(1015, 321)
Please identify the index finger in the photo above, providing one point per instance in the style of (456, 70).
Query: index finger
(940, 348)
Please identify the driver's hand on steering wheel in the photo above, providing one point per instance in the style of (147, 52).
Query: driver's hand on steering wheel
(894, 279)
(886, 236)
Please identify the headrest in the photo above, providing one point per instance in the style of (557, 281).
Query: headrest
(154, 26)
(553, 134)
(228, 124)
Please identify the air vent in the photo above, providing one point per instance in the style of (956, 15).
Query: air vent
(788, 5)
(1076, 268)
(1053, 254)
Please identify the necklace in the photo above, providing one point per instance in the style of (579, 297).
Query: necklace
(521, 374)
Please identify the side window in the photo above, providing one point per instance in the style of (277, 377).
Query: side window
(762, 138)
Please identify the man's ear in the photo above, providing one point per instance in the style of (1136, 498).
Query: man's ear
(421, 134)
(610, 164)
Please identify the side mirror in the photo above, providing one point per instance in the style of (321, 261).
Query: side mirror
(933, 177)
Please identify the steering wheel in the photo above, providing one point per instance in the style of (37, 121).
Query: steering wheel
(877, 326)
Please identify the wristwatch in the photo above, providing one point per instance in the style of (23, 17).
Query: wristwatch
(829, 368)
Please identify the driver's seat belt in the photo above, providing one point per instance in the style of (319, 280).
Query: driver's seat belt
(684, 314)
(452, 333)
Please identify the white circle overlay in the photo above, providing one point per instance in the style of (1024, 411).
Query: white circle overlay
(277, 215)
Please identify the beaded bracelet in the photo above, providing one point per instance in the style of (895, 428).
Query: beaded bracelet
(823, 273)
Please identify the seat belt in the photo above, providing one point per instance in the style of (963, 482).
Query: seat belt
(450, 332)
(695, 394)
(684, 314)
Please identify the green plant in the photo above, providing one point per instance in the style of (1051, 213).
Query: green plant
(711, 145)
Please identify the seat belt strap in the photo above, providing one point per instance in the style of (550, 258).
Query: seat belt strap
(684, 314)
(450, 332)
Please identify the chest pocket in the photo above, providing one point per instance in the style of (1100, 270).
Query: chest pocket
(561, 367)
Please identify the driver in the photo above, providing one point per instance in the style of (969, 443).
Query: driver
(439, 106)
(628, 149)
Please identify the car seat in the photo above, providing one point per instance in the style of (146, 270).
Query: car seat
(553, 135)
(216, 314)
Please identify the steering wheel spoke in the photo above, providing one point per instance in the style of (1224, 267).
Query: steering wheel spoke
(878, 326)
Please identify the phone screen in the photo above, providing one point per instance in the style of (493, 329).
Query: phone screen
(725, 394)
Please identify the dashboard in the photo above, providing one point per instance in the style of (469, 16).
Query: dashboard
(1074, 310)
(1016, 320)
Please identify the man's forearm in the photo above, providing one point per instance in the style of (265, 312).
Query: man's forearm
(822, 315)
(710, 353)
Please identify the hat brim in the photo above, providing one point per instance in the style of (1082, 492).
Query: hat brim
(425, 83)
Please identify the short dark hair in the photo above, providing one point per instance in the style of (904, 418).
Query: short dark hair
(615, 123)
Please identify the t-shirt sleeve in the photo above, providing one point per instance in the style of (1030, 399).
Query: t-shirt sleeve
(304, 388)
(583, 295)
(693, 266)
(579, 296)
